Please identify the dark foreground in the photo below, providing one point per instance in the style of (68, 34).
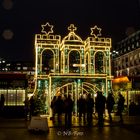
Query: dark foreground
(16, 129)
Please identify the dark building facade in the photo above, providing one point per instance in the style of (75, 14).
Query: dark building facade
(14, 88)
(126, 67)
(126, 56)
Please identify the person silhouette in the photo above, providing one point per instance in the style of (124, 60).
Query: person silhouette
(68, 103)
(53, 107)
(27, 108)
(100, 107)
(90, 106)
(2, 101)
(120, 106)
(59, 108)
(32, 106)
(110, 104)
(81, 105)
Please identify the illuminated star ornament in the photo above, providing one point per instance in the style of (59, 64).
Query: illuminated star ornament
(47, 28)
(95, 31)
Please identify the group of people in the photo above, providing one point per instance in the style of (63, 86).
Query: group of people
(85, 107)
(61, 105)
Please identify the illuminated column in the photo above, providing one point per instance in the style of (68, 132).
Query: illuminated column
(66, 61)
(53, 89)
(57, 67)
(74, 88)
(79, 85)
(108, 65)
(89, 62)
(83, 66)
(105, 87)
(109, 84)
(40, 87)
(92, 61)
(49, 96)
(38, 59)
(46, 92)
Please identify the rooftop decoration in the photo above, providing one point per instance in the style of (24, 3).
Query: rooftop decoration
(47, 28)
(95, 31)
(72, 28)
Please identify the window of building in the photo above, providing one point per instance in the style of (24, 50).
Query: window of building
(25, 68)
(133, 46)
(137, 37)
(125, 50)
(131, 58)
(20, 97)
(126, 59)
(11, 100)
(135, 57)
(133, 39)
(139, 54)
(18, 68)
(137, 44)
(13, 97)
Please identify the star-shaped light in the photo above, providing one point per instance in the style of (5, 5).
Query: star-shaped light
(95, 31)
(47, 28)
(72, 28)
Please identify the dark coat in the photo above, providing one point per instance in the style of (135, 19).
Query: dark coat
(100, 103)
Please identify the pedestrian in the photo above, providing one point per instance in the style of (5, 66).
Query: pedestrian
(59, 108)
(27, 108)
(110, 104)
(53, 107)
(90, 106)
(68, 103)
(81, 105)
(120, 106)
(138, 108)
(132, 108)
(2, 101)
(32, 106)
(100, 107)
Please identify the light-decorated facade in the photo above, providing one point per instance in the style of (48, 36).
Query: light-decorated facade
(71, 65)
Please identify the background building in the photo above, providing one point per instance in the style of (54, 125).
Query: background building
(126, 56)
(126, 67)
(16, 81)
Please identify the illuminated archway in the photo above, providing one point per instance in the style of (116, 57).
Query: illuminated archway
(100, 63)
(73, 64)
(74, 61)
(48, 62)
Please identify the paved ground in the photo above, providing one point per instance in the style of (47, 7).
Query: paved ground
(16, 129)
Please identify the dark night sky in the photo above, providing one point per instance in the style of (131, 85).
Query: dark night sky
(24, 19)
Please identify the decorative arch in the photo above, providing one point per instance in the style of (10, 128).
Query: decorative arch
(47, 60)
(74, 61)
(100, 62)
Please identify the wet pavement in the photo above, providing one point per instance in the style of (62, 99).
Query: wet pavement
(16, 129)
